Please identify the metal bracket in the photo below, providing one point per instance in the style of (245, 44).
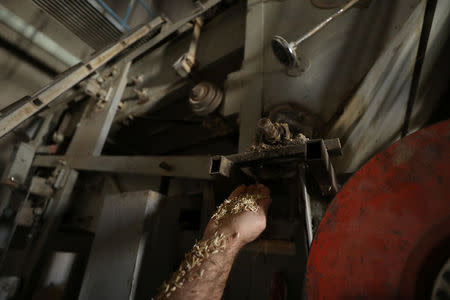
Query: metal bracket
(17, 171)
(320, 167)
(296, 152)
(184, 64)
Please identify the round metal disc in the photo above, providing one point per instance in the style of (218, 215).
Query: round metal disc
(283, 51)
(386, 235)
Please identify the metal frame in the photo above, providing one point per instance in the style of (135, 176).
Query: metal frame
(71, 77)
(39, 248)
(29, 106)
(297, 152)
(96, 122)
(196, 167)
(84, 152)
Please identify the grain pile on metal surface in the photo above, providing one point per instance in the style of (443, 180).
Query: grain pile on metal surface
(261, 147)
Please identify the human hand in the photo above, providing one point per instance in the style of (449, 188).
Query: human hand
(242, 216)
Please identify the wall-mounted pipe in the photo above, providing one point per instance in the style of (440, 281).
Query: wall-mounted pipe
(39, 39)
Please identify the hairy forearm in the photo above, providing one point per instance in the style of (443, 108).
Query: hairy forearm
(204, 272)
(240, 219)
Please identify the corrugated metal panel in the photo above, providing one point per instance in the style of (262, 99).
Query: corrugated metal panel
(84, 20)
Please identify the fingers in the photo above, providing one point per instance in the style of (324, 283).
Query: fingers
(238, 191)
(258, 189)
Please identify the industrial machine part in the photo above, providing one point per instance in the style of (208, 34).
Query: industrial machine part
(387, 233)
(58, 135)
(47, 199)
(71, 77)
(319, 164)
(205, 98)
(305, 204)
(186, 62)
(78, 15)
(136, 80)
(273, 133)
(194, 167)
(17, 171)
(313, 153)
(294, 152)
(142, 95)
(441, 287)
(421, 53)
(37, 249)
(84, 152)
(9, 286)
(286, 51)
(147, 36)
(127, 242)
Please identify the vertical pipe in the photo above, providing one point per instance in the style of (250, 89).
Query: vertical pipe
(420, 57)
(305, 204)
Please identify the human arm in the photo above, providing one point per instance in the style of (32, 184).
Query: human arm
(238, 220)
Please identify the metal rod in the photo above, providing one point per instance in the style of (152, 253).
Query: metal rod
(36, 37)
(175, 166)
(325, 22)
(420, 57)
(306, 204)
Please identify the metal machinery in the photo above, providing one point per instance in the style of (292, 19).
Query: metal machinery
(194, 102)
(392, 218)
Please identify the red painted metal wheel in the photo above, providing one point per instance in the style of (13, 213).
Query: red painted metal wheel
(387, 233)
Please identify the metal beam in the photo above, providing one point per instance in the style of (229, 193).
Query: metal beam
(95, 124)
(176, 166)
(294, 152)
(252, 75)
(120, 241)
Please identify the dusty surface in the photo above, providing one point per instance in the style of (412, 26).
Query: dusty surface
(298, 139)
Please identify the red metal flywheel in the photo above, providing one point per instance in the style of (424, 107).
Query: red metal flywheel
(387, 232)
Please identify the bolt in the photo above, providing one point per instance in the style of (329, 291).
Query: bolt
(135, 80)
(38, 211)
(165, 166)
